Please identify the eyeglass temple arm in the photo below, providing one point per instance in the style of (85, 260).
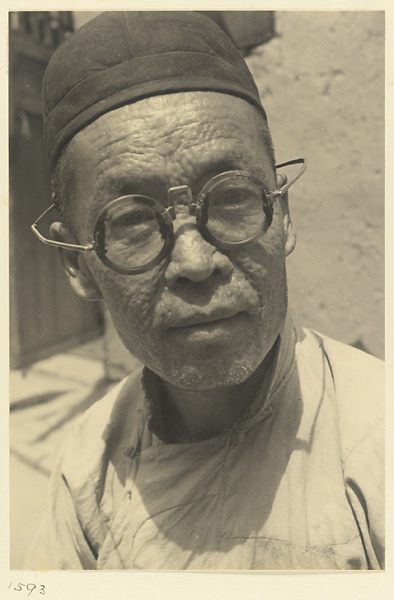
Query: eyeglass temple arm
(296, 161)
(55, 243)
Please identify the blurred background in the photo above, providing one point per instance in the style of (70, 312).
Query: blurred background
(321, 79)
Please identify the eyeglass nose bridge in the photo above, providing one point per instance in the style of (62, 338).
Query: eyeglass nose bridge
(181, 194)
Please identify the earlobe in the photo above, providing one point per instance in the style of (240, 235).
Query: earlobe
(290, 234)
(291, 237)
(281, 179)
(78, 274)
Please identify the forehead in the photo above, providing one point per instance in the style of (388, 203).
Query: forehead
(169, 140)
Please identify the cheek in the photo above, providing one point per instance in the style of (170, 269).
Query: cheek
(263, 262)
(131, 299)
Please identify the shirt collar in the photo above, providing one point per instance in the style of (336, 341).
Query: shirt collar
(281, 367)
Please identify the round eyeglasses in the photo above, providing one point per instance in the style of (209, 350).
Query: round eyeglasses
(134, 233)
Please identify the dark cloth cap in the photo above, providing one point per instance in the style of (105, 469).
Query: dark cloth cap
(121, 57)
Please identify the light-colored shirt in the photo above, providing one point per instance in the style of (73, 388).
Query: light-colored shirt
(298, 483)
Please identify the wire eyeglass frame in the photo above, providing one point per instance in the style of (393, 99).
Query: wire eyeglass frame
(167, 214)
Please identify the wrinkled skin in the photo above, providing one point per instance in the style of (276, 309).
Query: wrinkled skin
(161, 316)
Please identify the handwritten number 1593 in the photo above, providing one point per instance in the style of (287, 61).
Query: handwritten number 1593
(30, 588)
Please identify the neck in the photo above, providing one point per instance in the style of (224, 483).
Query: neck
(195, 415)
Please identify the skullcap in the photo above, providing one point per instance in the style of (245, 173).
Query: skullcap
(122, 57)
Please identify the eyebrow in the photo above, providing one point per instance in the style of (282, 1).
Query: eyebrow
(128, 183)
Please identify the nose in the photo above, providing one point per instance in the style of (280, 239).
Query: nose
(194, 259)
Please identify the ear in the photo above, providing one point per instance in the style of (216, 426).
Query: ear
(290, 234)
(77, 271)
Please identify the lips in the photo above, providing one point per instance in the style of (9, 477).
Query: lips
(194, 306)
(201, 319)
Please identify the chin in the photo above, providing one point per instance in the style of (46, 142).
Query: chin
(210, 375)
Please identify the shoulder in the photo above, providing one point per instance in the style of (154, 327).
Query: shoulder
(358, 384)
(343, 355)
(357, 394)
(125, 396)
(101, 428)
(358, 376)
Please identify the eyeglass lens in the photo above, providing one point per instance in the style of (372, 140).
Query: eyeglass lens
(235, 210)
(134, 234)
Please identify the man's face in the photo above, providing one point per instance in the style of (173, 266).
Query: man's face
(202, 318)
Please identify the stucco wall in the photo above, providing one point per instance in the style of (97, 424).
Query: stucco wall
(322, 84)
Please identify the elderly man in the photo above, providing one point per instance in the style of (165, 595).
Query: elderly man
(246, 442)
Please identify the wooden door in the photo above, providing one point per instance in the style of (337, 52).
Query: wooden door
(46, 316)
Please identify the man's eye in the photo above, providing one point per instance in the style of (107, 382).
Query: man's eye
(234, 199)
(134, 218)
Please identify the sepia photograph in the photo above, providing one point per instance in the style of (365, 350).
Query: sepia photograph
(197, 293)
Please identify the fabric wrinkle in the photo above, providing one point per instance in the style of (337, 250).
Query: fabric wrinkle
(278, 490)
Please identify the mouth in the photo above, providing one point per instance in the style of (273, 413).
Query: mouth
(198, 320)
(217, 329)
